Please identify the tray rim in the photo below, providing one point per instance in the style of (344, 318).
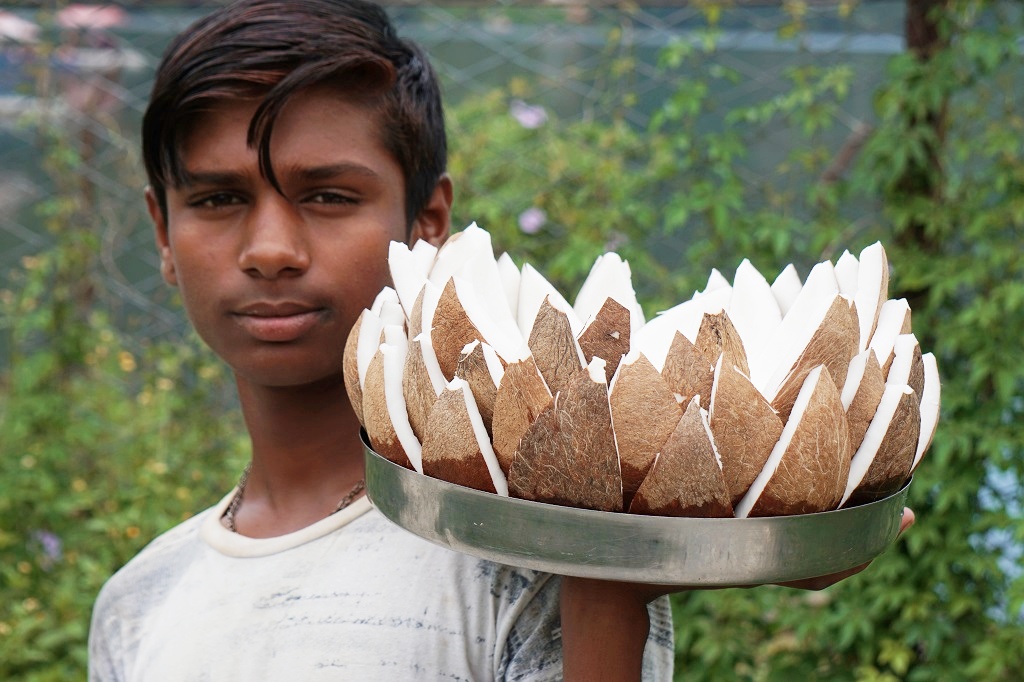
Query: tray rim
(670, 526)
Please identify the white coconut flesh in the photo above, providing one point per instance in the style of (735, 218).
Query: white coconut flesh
(705, 418)
(369, 340)
(893, 320)
(499, 331)
(786, 288)
(655, 338)
(874, 436)
(929, 406)
(872, 289)
(409, 269)
(385, 295)
(426, 347)
(847, 274)
(755, 314)
(854, 375)
(510, 281)
(716, 280)
(903, 352)
(463, 247)
(796, 331)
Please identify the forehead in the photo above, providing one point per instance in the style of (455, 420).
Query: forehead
(316, 125)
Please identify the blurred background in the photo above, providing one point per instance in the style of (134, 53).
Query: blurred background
(684, 135)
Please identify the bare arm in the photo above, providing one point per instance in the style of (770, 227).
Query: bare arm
(605, 624)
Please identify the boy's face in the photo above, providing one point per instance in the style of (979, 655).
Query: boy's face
(274, 282)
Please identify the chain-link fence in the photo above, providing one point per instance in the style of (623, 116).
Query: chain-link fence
(90, 72)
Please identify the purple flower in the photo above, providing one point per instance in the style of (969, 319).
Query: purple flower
(528, 115)
(532, 219)
(51, 546)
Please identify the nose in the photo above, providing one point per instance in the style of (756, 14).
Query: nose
(274, 243)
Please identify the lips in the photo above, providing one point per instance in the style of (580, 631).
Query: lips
(275, 322)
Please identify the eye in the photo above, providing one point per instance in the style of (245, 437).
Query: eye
(331, 197)
(215, 200)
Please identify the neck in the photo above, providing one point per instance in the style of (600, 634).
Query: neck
(306, 455)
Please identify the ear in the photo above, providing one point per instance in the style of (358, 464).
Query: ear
(434, 221)
(163, 242)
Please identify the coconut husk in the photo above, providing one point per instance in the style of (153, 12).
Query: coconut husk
(894, 459)
(813, 469)
(554, 347)
(452, 330)
(379, 428)
(607, 336)
(865, 401)
(417, 389)
(833, 344)
(416, 315)
(718, 335)
(473, 369)
(645, 413)
(350, 368)
(521, 396)
(451, 451)
(916, 378)
(688, 372)
(744, 426)
(568, 455)
(685, 479)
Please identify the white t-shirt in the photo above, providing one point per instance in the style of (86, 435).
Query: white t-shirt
(352, 597)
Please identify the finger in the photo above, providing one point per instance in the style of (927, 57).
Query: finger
(908, 519)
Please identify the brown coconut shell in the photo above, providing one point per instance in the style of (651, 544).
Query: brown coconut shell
(521, 396)
(568, 455)
(416, 316)
(378, 425)
(450, 449)
(685, 479)
(718, 335)
(473, 369)
(554, 347)
(452, 330)
(812, 474)
(865, 401)
(688, 372)
(645, 413)
(893, 462)
(833, 344)
(417, 389)
(916, 379)
(607, 336)
(744, 426)
(905, 328)
(350, 368)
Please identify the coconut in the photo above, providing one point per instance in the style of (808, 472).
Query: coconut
(885, 458)
(687, 372)
(872, 289)
(568, 455)
(907, 367)
(350, 367)
(456, 447)
(786, 288)
(607, 335)
(482, 369)
(754, 313)
(893, 320)
(716, 280)
(655, 337)
(847, 271)
(510, 280)
(452, 330)
(833, 344)
(686, 478)
(409, 269)
(609, 277)
(809, 465)
(929, 407)
(521, 396)
(744, 426)
(534, 290)
(421, 383)
(644, 414)
(380, 422)
(717, 336)
(861, 394)
(554, 346)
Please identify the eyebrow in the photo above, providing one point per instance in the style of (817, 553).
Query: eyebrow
(303, 173)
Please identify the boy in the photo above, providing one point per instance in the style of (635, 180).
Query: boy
(286, 144)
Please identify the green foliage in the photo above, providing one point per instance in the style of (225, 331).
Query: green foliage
(106, 443)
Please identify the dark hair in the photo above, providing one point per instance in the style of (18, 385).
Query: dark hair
(272, 50)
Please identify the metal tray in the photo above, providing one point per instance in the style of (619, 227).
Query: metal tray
(629, 547)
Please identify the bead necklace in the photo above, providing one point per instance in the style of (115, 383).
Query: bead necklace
(236, 501)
